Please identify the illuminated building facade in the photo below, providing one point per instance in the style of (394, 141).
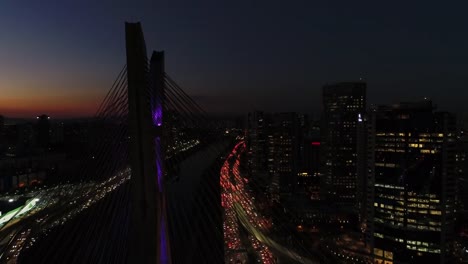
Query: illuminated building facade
(285, 153)
(342, 103)
(274, 146)
(411, 183)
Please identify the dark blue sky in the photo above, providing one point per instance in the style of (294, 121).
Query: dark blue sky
(235, 55)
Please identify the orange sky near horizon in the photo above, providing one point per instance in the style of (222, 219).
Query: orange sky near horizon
(57, 106)
(55, 94)
(73, 88)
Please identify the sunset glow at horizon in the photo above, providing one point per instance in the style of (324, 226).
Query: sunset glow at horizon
(63, 107)
(71, 51)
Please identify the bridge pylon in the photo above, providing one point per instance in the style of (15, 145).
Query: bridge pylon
(148, 233)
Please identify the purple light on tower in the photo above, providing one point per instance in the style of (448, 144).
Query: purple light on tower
(157, 121)
(157, 116)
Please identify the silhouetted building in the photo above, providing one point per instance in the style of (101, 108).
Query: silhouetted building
(43, 131)
(309, 176)
(342, 104)
(77, 138)
(304, 131)
(362, 170)
(283, 150)
(56, 133)
(274, 147)
(23, 135)
(462, 190)
(411, 183)
(257, 142)
(2, 136)
(2, 124)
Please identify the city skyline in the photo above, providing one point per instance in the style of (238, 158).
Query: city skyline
(156, 177)
(61, 58)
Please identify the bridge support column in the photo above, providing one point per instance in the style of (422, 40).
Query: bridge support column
(148, 241)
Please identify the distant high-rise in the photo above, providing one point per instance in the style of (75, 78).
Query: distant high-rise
(56, 133)
(2, 124)
(309, 176)
(43, 131)
(284, 150)
(2, 136)
(362, 167)
(257, 142)
(342, 105)
(462, 158)
(274, 146)
(2, 133)
(411, 183)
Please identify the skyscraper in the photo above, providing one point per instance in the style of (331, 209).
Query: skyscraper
(257, 142)
(411, 183)
(362, 170)
(285, 152)
(309, 177)
(43, 131)
(342, 105)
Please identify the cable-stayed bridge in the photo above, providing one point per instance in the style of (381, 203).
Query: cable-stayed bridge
(160, 184)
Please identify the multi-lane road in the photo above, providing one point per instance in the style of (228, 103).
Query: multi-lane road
(54, 206)
(49, 208)
(240, 212)
(233, 192)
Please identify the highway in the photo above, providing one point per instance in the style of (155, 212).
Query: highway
(238, 204)
(54, 206)
(232, 191)
(50, 208)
